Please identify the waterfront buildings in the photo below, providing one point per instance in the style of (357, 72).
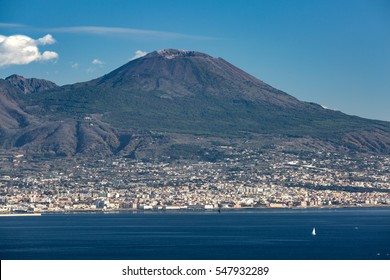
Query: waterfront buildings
(245, 178)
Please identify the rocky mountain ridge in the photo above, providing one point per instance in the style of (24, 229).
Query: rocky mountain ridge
(31, 85)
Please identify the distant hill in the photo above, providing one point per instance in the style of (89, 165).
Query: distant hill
(170, 97)
(32, 85)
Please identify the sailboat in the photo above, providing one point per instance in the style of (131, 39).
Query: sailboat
(313, 231)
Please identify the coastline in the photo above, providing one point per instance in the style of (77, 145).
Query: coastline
(186, 210)
(10, 214)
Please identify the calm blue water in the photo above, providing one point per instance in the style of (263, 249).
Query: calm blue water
(243, 234)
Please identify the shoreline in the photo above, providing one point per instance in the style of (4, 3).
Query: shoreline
(10, 214)
(185, 210)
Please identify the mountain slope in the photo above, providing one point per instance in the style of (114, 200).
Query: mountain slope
(191, 93)
(11, 115)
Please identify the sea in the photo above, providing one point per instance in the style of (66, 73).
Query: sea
(247, 234)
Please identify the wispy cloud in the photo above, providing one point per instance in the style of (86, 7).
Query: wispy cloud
(109, 31)
(97, 62)
(21, 49)
(91, 70)
(75, 65)
(138, 54)
(11, 25)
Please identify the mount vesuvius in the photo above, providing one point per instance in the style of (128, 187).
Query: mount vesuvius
(173, 101)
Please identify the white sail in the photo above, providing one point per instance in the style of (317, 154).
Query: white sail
(314, 231)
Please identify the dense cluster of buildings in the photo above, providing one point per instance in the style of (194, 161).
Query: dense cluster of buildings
(244, 178)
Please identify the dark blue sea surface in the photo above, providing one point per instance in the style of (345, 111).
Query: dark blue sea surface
(236, 234)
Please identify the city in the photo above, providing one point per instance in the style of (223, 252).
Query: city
(245, 178)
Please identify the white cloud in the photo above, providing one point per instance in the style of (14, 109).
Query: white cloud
(138, 54)
(327, 108)
(21, 49)
(48, 56)
(46, 40)
(97, 62)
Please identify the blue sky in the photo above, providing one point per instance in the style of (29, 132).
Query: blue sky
(335, 53)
